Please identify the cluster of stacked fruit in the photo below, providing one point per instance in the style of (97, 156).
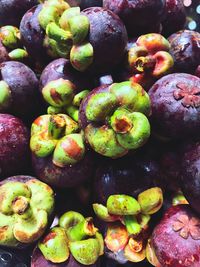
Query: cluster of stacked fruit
(99, 116)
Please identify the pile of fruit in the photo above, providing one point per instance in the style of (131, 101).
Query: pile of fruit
(99, 134)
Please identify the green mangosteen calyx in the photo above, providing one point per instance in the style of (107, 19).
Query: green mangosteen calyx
(24, 211)
(66, 33)
(76, 235)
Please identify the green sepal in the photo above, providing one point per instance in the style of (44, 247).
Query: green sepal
(67, 14)
(103, 141)
(132, 225)
(69, 150)
(82, 56)
(151, 200)
(138, 134)
(58, 34)
(54, 110)
(54, 246)
(10, 36)
(58, 93)
(73, 112)
(41, 145)
(5, 96)
(86, 251)
(100, 106)
(123, 205)
(70, 219)
(79, 28)
(78, 98)
(18, 54)
(102, 213)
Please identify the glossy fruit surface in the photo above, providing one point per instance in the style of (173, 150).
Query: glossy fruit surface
(14, 139)
(19, 90)
(138, 16)
(176, 239)
(185, 48)
(175, 106)
(11, 11)
(175, 17)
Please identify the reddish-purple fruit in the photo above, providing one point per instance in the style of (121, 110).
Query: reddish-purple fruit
(185, 48)
(138, 16)
(38, 260)
(175, 17)
(19, 94)
(14, 143)
(190, 175)
(197, 72)
(61, 68)
(176, 239)
(176, 106)
(11, 11)
(90, 3)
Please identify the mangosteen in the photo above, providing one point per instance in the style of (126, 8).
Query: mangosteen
(127, 224)
(14, 143)
(11, 11)
(138, 16)
(197, 72)
(19, 90)
(94, 39)
(175, 240)
(112, 177)
(60, 157)
(175, 104)
(10, 45)
(61, 68)
(190, 174)
(175, 17)
(185, 49)
(107, 115)
(74, 242)
(26, 209)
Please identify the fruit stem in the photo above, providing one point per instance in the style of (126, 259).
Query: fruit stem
(56, 126)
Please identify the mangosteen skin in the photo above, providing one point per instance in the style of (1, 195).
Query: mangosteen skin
(11, 11)
(90, 3)
(3, 53)
(32, 35)
(14, 143)
(38, 260)
(129, 176)
(65, 177)
(197, 72)
(61, 68)
(108, 37)
(185, 49)
(24, 87)
(139, 17)
(190, 174)
(175, 17)
(170, 247)
(175, 106)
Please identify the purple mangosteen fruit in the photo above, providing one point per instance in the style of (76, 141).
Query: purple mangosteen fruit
(112, 177)
(114, 118)
(74, 242)
(11, 11)
(14, 143)
(138, 16)
(19, 90)
(185, 49)
(175, 17)
(190, 174)
(94, 40)
(26, 210)
(60, 156)
(126, 221)
(61, 68)
(175, 104)
(197, 72)
(175, 240)
(10, 45)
